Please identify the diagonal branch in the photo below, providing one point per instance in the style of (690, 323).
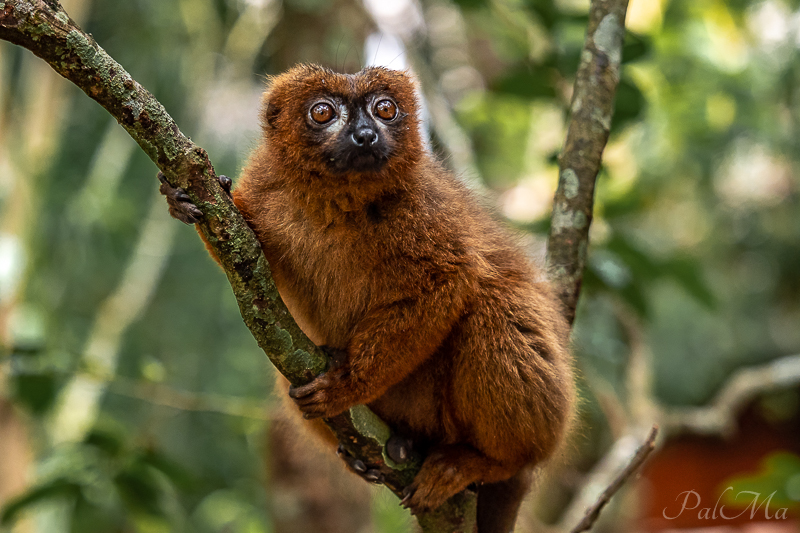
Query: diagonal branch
(44, 28)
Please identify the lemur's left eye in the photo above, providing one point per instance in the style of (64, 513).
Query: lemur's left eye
(386, 109)
(321, 112)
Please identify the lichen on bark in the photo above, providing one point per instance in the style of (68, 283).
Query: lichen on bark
(589, 126)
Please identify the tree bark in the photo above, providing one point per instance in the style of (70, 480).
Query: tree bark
(589, 126)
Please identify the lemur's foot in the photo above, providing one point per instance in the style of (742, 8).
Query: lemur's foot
(373, 475)
(225, 182)
(399, 449)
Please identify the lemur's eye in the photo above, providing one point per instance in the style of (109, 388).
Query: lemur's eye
(321, 113)
(386, 109)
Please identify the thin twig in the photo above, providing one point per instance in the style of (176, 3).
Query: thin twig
(158, 394)
(593, 512)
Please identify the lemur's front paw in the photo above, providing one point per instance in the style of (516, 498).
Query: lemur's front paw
(180, 206)
(328, 395)
(331, 392)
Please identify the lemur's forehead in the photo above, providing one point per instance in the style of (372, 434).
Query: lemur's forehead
(372, 80)
(379, 80)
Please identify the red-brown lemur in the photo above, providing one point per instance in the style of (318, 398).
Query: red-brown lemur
(440, 323)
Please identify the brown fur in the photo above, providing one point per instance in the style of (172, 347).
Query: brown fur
(448, 337)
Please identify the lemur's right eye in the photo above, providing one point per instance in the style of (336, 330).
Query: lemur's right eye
(386, 109)
(321, 113)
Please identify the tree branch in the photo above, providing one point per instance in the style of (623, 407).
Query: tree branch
(592, 109)
(719, 417)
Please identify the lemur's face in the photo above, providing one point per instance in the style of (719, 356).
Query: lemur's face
(354, 131)
(353, 122)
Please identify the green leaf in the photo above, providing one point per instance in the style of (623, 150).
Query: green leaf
(636, 47)
(139, 490)
(527, 81)
(633, 295)
(685, 271)
(545, 10)
(631, 203)
(59, 488)
(178, 475)
(688, 274)
(641, 264)
(109, 442)
(90, 518)
(628, 104)
(470, 4)
(37, 392)
(606, 272)
(567, 61)
(779, 473)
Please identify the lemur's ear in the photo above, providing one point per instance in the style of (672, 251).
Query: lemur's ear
(271, 112)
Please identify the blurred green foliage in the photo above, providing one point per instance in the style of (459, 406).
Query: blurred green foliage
(778, 481)
(695, 244)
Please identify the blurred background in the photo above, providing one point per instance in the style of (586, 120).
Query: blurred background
(133, 399)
